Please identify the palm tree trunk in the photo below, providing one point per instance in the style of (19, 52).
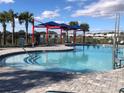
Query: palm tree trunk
(13, 31)
(4, 34)
(26, 34)
(84, 37)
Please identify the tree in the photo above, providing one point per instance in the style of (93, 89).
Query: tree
(72, 23)
(25, 17)
(3, 20)
(85, 28)
(12, 17)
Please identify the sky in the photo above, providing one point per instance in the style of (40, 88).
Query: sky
(99, 14)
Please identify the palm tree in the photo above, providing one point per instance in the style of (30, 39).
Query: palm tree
(73, 23)
(25, 17)
(3, 19)
(85, 28)
(12, 17)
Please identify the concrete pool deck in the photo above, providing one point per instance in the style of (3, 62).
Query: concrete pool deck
(9, 51)
(22, 81)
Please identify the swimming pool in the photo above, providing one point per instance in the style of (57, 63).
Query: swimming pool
(82, 59)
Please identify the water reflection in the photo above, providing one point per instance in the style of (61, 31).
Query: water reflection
(69, 58)
(88, 46)
(2, 62)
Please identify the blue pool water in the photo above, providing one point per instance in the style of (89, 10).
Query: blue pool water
(82, 59)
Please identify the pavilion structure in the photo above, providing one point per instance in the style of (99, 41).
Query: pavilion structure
(75, 29)
(54, 25)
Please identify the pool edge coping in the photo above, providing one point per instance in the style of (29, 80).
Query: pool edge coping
(31, 50)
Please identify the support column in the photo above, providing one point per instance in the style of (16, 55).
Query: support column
(67, 36)
(33, 33)
(47, 29)
(61, 37)
(74, 37)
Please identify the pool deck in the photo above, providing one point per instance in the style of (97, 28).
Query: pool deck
(22, 81)
(9, 51)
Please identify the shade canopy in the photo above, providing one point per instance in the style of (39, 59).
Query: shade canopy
(55, 25)
(75, 27)
(64, 26)
(51, 23)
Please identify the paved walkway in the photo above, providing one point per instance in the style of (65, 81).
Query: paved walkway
(16, 81)
(5, 51)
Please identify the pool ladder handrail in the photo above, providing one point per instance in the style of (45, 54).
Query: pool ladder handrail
(31, 56)
(28, 53)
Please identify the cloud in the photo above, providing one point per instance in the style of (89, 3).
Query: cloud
(50, 14)
(6, 1)
(68, 8)
(16, 19)
(102, 8)
(59, 21)
(37, 17)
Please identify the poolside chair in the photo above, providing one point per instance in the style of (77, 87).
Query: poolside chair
(58, 92)
(121, 90)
